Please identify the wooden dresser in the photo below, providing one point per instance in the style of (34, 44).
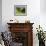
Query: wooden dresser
(22, 33)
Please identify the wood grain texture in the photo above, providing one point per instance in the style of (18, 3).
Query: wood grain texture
(23, 27)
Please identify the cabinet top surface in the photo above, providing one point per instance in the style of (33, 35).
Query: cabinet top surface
(19, 23)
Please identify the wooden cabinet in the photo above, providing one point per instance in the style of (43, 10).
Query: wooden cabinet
(22, 33)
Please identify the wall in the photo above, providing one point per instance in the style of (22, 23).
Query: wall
(43, 14)
(34, 14)
(43, 6)
(33, 10)
(0, 15)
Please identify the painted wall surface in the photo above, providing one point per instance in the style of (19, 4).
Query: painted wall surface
(43, 6)
(33, 11)
(34, 14)
(0, 15)
(43, 14)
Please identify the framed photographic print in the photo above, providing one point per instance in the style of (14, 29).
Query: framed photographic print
(20, 10)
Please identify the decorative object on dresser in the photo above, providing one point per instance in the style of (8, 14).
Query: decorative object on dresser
(22, 33)
(13, 21)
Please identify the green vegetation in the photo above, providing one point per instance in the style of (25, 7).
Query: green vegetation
(20, 11)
